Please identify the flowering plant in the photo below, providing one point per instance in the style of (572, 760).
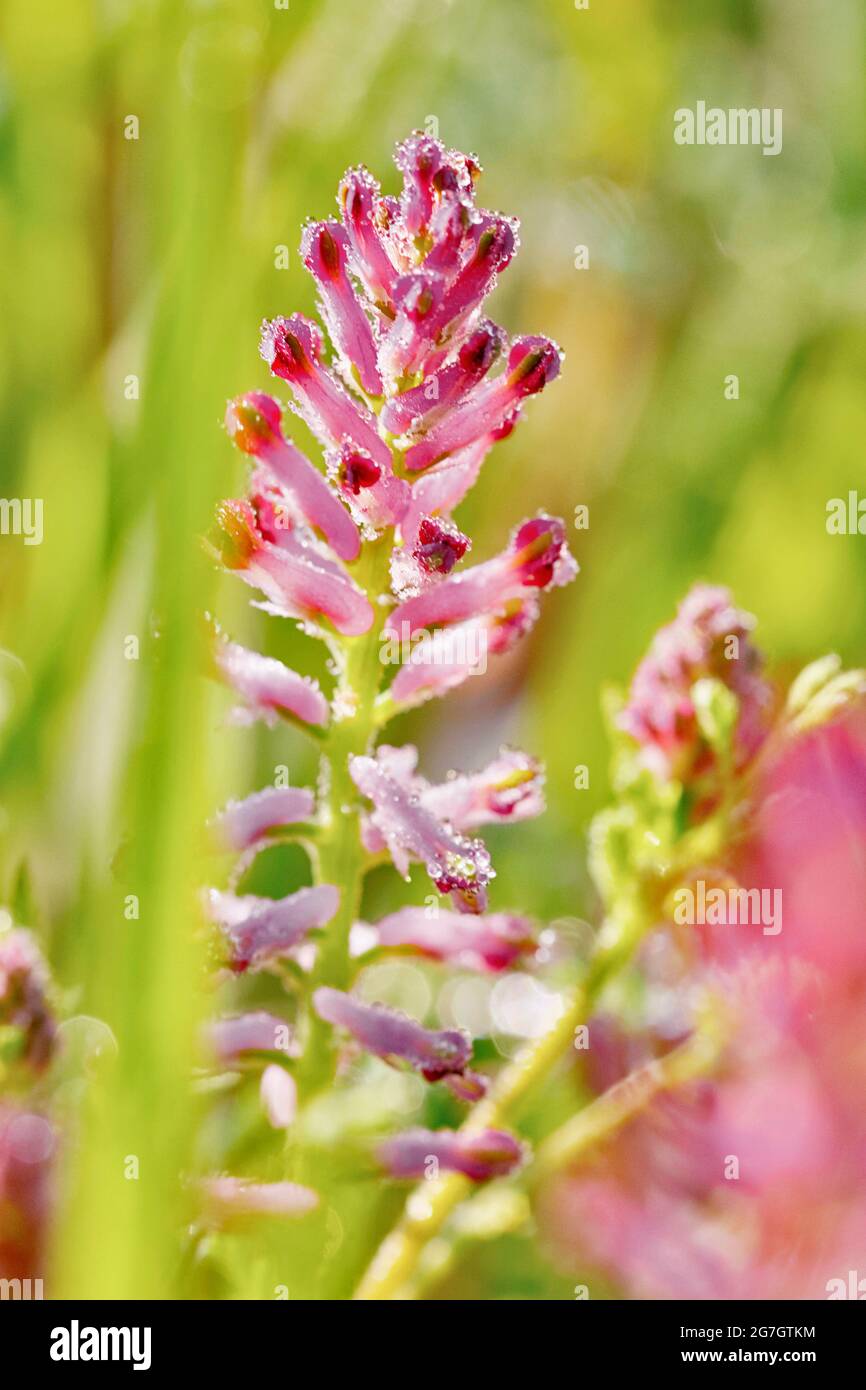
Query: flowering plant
(365, 554)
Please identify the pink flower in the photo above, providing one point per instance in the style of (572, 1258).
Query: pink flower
(443, 660)
(416, 1153)
(268, 687)
(258, 930)
(243, 824)
(360, 200)
(389, 1035)
(437, 546)
(373, 495)
(324, 247)
(537, 558)
(253, 421)
(532, 363)
(456, 865)
(508, 789)
(660, 713)
(229, 1038)
(293, 349)
(493, 942)
(293, 577)
(422, 406)
(230, 1201)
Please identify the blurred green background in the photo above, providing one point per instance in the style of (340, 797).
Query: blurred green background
(135, 274)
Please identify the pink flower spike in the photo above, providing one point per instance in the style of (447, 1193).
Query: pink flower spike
(258, 930)
(456, 865)
(414, 1154)
(242, 824)
(229, 1038)
(269, 688)
(279, 1096)
(493, 942)
(420, 407)
(532, 363)
(359, 200)
(324, 247)
(660, 713)
(294, 577)
(511, 788)
(537, 558)
(253, 421)
(391, 1035)
(230, 1201)
(292, 348)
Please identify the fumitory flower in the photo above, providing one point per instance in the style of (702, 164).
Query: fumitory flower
(407, 391)
(709, 638)
(489, 1154)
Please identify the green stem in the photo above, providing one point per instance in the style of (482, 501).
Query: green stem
(340, 857)
(431, 1203)
(687, 1062)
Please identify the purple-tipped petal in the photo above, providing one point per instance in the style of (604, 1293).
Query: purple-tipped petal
(537, 558)
(229, 1038)
(490, 943)
(493, 1153)
(228, 1201)
(258, 930)
(532, 363)
(324, 247)
(268, 688)
(292, 348)
(242, 824)
(391, 1035)
(456, 864)
(279, 1096)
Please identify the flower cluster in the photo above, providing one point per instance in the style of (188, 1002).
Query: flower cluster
(747, 1182)
(413, 388)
